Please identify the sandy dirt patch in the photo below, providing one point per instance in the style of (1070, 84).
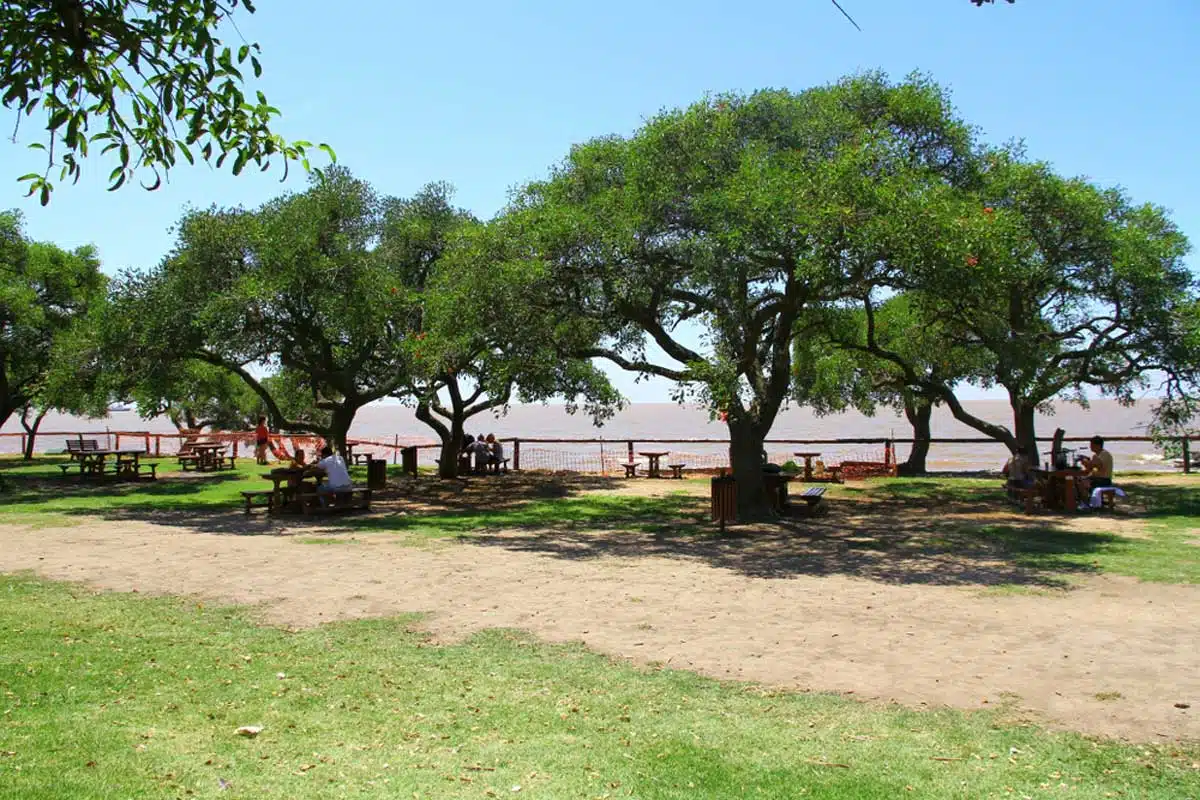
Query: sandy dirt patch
(820, 609)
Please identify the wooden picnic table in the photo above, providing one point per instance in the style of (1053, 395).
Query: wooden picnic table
(1059, 488)
(284, 498)
(92, 463)
(808, 466)
(208, 455)
(652, 467)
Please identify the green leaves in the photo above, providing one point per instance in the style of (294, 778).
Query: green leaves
(155, 82)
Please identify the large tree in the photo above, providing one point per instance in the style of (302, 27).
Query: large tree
(44, 292)
(147, 81)
(306, 286)
(482, 343)
(713, 229)
(1057, 287)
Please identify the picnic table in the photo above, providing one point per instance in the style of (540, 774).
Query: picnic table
(1058, 488)
(652, 466)
(808, 465)
(209, 455)
(94, 463)
(282, 496)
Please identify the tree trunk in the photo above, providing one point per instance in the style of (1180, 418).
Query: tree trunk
(919, 413)
(1026, 436)
(339, 426)
(745, 456)
(31, 431)
(452, 443)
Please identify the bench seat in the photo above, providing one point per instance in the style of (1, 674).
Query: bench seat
(676, 470)
(356, 498)
(260, 499)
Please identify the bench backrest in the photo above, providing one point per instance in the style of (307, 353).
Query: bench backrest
(82, 445)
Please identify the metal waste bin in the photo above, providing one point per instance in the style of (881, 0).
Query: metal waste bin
(724, 500)
(377, 473)
(408, 461)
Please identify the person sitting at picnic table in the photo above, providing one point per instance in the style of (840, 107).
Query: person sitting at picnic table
(481, 451)
(296, 482)
(262, 438)
(496, 454)
(1019, 469)
(337, 477)
(1097, 469)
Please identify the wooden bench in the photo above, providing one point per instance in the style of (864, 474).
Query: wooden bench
(630, 469)
(226, 462)
(498, 465)
(266, 498)
(188, 459)
(813, 496)
(77, 446)
(676, 470)
(356, 498)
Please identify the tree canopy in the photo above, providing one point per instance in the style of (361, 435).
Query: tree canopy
(727, 219)
(146, 82)
(44, 292)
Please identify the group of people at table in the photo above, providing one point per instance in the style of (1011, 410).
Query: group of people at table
(485, 452)
(329, 473)
(1090, 473)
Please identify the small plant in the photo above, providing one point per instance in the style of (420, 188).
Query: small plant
(1104, 696)
(790, 466)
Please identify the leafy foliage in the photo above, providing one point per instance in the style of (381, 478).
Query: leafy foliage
(728, 218)
(148, 81)
(44, 291)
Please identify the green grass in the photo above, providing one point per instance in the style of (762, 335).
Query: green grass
(116, 696)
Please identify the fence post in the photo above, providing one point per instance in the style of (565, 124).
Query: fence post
(1187, 456)
(23, 446)
(158, 444)
(630, 447)
(235, 448)
(116, 441)
(516, 455)
(395, 448)
(147, 448)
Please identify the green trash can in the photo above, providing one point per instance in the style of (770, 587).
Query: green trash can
(377, 473)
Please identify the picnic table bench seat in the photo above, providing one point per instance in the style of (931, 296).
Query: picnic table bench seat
(676, 470)
(630, 468)
(812, 496)
(259, 499)
(356, 498)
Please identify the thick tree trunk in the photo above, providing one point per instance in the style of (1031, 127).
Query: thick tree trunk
(339, 426)
(745, 456)
(1026, 436)
(919, 413)
(452, 442)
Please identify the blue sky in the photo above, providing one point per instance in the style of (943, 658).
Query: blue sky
(488, 95)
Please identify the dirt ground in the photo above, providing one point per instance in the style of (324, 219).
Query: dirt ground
(826, 605)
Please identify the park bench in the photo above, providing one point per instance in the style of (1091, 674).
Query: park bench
(77, 446)
(813, 496)
(676, 470)
(260, 499)
(630, 469)
(498, 465)
(356, 498)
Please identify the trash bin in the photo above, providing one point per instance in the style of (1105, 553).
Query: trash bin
(377, 473)
(724, 500)
(408, 461)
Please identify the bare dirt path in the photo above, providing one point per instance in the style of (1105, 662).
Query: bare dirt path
(1112, 657)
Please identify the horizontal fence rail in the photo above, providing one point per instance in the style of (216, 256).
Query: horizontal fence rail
(568, 454)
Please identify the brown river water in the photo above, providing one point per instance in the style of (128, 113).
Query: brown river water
(394, 423)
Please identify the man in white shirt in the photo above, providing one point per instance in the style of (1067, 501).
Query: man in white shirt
(337, 477)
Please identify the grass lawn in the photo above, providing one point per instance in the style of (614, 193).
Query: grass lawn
(116, 696)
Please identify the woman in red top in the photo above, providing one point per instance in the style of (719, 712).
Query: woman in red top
(262, 438)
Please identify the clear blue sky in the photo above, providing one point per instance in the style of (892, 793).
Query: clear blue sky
(487, 96)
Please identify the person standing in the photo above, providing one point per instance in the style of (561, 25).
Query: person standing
(262, 440)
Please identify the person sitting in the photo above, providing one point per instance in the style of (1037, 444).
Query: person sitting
(299, 460)
(481, 451)
(1019, 472)
(1097, 469)
(337, 477)
(496, 451)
